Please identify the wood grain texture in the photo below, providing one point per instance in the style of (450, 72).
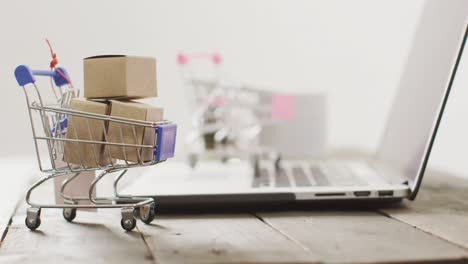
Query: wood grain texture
(361, 237)
(238, 238)
(441, 208)
(17, 173)
(91, 238)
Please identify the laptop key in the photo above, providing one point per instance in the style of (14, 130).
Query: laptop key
(262, 179)
(282, 179)
(320, 177)
(301, 178)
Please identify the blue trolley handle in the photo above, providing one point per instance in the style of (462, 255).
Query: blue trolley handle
(24, 75)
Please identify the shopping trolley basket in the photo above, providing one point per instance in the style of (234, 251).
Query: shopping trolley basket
(227, 116)
(49, 125)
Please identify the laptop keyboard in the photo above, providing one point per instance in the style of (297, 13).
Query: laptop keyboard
(319, 176)
(307, 175)
(262, 179)
(300, 177)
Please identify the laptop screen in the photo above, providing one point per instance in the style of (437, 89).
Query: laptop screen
(424, 87)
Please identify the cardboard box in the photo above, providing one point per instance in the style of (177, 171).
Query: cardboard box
(129, 134)
(90, 155)
(119, 77)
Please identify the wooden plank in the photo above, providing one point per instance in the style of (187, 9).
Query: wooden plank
(441, 208)
(91, 238)
(220, 238)
(361, 237)
(17, 174)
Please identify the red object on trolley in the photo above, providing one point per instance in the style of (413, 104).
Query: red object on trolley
(54, 63)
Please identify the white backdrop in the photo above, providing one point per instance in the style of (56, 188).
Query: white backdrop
(351, 50)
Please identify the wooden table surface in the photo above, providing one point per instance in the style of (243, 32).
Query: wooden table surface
(434, 228)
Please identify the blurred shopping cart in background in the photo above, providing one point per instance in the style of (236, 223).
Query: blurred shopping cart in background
(227, 117)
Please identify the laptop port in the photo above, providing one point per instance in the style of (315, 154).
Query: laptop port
(330, 194)
(385, 193)
(362, 193)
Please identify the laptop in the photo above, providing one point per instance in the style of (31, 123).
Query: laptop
(394, 173)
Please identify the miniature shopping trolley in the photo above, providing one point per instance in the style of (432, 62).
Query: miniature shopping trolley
(227, 116)
(49, 125)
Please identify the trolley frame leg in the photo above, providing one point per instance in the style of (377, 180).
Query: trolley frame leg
(128, 204)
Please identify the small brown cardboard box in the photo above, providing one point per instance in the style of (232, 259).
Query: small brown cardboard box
(130, 134)
(119, 77)
(90, 155)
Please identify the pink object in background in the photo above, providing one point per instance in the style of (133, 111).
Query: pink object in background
(218, 101)
(216, 58)
(283, 107)
(183, 58)
(215, 101)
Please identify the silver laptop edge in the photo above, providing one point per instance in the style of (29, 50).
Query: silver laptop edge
(415, 183)
(424, 88)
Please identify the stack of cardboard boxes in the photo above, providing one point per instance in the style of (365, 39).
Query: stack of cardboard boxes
(110, 82)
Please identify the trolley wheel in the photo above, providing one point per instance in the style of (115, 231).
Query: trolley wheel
(69, 214)
(32, 223)
(128, 224)
(224, 159)
(278, 163)
(147, 213)
(33, 218)
(193, 160)
(136, 212)
(256, 166)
